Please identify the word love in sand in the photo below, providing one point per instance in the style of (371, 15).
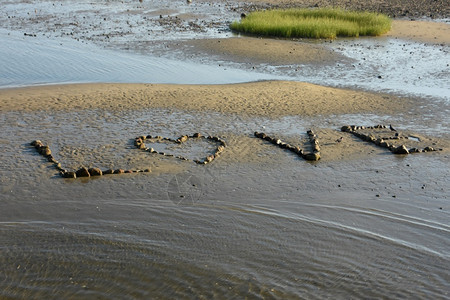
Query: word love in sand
(377, 135)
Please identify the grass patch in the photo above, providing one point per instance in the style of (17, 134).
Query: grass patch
(326, 23)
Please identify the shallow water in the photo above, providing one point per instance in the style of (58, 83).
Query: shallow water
(43, 61)
(273, 228)
(257, 222)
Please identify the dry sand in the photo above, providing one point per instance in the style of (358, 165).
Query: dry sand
(269, 98)
(421, 31)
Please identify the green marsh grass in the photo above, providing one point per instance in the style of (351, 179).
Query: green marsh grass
(326, 23)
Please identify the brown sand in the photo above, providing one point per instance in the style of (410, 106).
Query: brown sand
(270, 98)
(421, 31)
(266, 50)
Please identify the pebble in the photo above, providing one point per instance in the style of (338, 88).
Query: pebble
(401, 150)
(83, 172)
(69, 175)
(312, 156)
(182, 139)
(95, 172)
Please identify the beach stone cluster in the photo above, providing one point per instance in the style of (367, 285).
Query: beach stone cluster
(45, 151)
(387, 141)
(311, 156)
(139, 142)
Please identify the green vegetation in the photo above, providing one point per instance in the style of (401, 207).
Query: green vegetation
(313, 23)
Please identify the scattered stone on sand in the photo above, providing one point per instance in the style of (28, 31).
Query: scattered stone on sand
(383, 141)
(181, 140)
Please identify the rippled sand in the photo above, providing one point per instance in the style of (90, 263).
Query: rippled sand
(257, 222)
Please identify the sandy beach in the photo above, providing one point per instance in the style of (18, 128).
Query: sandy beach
(269, 99)
(260, 221)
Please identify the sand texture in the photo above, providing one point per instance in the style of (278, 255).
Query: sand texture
(270, 98)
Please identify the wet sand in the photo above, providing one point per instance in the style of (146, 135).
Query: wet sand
(258, 222)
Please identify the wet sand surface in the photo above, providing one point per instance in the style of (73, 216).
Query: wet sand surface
(257, 222)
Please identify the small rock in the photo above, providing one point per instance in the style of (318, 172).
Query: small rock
(69, 175)
(346, 128)
(95, 172)
(298, 150)
(401, 150)
(148, 170)
(83, 172)
(312, 156)
(197, 135)
(36, 143)
(119, 171)
(108, 172)
(182, 139)
(46, 152)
